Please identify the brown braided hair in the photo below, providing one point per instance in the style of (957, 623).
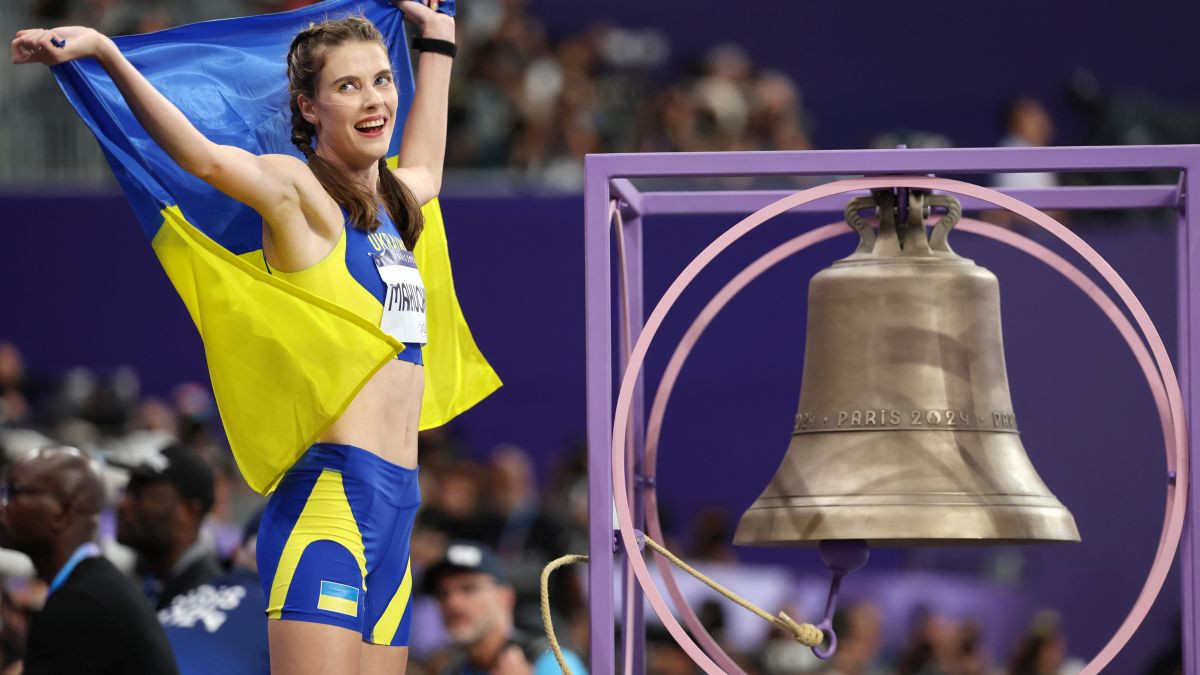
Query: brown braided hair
(306, 58)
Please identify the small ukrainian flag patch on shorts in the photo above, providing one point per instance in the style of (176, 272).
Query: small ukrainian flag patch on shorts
(338, 598)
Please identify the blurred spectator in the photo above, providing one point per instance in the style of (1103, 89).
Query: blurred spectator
(777, 119)
(93, 620)
(157, 416)
(782, 655)
(221, 625)
(859, 628)
(160, 516)
(930, 649)
(14, 408)
(723, 96)
(477, 609)
(1043, 650)
(528, 536)
(712, 536)
(671, 123)
(1131, 117)
(664, 656)
(456, 509)
(969, 656)
(1027, 125)
(14, 625)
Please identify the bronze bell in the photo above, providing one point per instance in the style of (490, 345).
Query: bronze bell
(905, 432)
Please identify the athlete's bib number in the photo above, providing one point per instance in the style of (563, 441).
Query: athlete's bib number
(404, 305)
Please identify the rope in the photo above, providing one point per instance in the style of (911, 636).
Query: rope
(555, 564)
(804, 633)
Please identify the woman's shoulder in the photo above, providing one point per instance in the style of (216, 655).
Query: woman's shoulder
(313, 207)
(288, 165)
(294, 171)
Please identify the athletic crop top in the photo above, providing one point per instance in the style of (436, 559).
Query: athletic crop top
(348, 275)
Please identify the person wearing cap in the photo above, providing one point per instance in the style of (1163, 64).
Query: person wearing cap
(477, 609)
(160, 516)
(94, 620)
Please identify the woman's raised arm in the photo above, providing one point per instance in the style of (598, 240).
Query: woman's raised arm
(265, 183)
(423, 145)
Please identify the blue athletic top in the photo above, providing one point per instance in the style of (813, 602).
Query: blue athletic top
(348, 275)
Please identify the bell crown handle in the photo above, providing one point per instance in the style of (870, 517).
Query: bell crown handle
(915, 242)
(912, 240)
(866, 233)
(938, 239)
(886, 241)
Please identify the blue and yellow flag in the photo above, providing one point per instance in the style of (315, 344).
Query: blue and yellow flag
(284, 363)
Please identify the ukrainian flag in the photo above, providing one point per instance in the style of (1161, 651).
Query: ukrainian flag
(284, 363)
(338, 598)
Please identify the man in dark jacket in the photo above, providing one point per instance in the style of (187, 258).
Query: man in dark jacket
(165, 503)
(94, 619)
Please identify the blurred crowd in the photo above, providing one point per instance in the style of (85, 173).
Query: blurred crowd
(526, 107)
(493, 503)
(536, 106)
(493, 499)
(936, 645)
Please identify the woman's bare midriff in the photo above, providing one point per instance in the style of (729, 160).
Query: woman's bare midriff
(382, 418)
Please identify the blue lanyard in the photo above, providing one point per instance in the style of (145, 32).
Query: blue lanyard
(88, 550)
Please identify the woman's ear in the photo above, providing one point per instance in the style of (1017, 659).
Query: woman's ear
(307, 111)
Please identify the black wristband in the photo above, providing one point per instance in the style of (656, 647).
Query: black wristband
(424, 44)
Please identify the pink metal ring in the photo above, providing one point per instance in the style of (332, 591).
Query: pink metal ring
(755, 269)
(1158, 375)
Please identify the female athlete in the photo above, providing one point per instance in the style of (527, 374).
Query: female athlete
(334, 541)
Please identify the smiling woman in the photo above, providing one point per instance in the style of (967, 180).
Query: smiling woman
(333, 546)
(340, 82)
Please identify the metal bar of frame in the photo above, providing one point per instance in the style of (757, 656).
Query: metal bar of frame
(1098, 198)
(598, 327)
(883, 162)
(1189, 321)
(633, 615)
(607, 176)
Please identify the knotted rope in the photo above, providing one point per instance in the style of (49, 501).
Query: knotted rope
(804, 633)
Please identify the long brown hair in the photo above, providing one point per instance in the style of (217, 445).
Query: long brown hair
(306, 58)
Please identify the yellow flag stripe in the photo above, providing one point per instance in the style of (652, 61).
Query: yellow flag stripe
(174, 217)
(286, 363)
(339, 605)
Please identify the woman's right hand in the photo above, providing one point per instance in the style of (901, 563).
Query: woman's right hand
(56, 45)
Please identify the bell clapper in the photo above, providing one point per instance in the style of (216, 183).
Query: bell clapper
(841, 556)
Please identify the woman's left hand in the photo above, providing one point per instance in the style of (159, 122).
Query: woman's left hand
(424, 15)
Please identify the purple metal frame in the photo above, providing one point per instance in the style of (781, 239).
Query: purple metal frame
(608, 178)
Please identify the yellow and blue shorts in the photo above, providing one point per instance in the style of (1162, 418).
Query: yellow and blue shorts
(333, 546)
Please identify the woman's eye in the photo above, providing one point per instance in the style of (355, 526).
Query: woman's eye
(345, 86)
(383, 79)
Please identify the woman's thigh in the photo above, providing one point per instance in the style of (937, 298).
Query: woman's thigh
(304, 648)
(383, 660)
